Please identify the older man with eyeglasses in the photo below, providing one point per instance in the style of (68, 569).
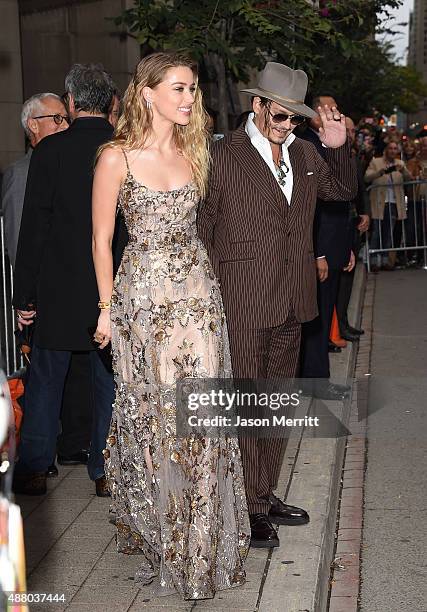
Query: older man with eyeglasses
(42, 115)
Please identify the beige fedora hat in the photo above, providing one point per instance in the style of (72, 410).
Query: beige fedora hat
(285, 86)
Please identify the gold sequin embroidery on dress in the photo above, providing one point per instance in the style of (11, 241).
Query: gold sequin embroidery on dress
(179, 502)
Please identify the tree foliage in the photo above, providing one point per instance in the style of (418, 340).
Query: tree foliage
(366, 75)
(243, 32)
(335, 44)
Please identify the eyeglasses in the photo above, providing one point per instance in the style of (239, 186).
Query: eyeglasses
(281, 117)
(58, 119)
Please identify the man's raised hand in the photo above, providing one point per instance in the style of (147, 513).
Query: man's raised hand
(333, 133)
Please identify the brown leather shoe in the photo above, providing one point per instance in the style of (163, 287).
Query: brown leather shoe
(101, 487)
(30, 484)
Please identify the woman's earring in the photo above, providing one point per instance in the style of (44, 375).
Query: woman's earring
(148, 104)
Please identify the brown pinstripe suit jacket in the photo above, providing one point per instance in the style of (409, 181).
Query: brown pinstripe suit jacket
(261, 248)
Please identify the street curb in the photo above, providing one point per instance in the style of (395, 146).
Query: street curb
(346, 580)
(298, 575)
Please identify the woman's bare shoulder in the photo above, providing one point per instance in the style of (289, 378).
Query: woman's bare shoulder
(112, 157)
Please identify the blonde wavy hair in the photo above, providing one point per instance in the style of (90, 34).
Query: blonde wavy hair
(135, 124)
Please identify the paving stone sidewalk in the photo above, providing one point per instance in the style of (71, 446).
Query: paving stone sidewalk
(71, 550)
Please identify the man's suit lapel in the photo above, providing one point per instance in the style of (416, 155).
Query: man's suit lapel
(257, 171)
(299, 170)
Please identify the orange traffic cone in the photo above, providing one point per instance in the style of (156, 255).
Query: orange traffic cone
(334, 333)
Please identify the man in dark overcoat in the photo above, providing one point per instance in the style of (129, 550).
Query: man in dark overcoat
(55, 277)
(42, 115)
(257, 225)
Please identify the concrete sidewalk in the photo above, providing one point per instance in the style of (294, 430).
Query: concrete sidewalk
(71, 551)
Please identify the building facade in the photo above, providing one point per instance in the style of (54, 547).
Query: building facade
(56, 34)
(40, 40)
(12, 139)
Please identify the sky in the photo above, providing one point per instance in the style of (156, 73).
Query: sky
(400, 41)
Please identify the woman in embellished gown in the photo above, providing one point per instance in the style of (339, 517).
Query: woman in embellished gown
(179, 502)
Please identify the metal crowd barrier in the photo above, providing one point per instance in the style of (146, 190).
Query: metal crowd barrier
(8, 348)
(415, 224)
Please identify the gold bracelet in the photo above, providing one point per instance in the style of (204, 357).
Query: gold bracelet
(104, 305)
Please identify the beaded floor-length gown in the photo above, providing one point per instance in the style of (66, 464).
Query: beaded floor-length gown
(179, 502)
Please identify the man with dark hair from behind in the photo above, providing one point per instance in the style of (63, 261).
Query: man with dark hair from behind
(55, 278)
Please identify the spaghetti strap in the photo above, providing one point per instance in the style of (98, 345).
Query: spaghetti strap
(126, 160)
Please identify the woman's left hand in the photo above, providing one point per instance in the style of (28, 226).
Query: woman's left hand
(102, 334)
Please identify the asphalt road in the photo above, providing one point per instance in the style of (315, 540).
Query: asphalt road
(394, 560)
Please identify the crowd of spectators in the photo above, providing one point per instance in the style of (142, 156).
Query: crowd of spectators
(394, 164)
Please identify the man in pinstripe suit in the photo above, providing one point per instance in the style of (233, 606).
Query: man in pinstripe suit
(257, 224)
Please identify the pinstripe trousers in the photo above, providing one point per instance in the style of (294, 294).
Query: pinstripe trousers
(265, 354)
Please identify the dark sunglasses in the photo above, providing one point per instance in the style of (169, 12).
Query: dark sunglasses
(281, 117)
(58, 119)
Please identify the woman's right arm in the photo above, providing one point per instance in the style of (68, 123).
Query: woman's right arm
(372, 172)
(109, 173)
